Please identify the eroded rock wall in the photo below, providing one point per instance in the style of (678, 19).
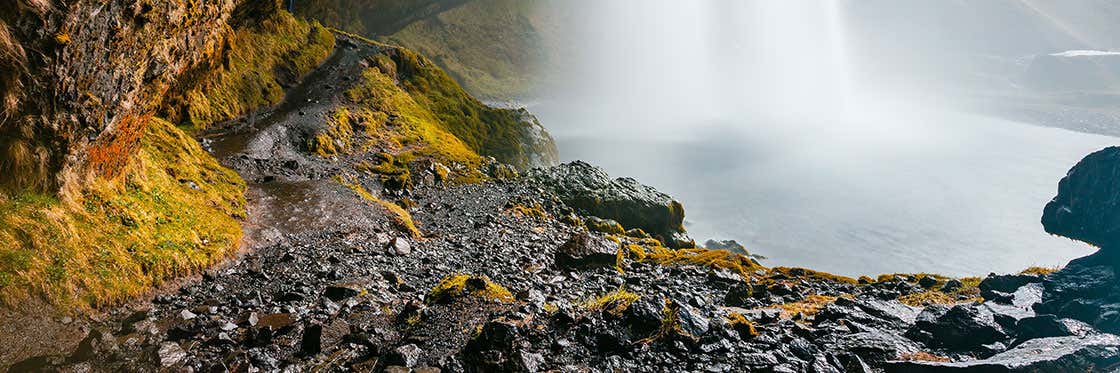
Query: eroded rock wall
(80, 79)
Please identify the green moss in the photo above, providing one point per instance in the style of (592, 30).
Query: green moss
(534, 210)
(462, 285)
(812, 275)
(604, 225)
(968, 292)
(251, 72)
(491, 47)
(651, 251)
(428, 102)
(173, 212)
(615, 302)
(742, 325)
(1042, 271)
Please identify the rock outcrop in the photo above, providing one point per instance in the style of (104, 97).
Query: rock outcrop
(81, 79)
(1087, 208)
(592, 191)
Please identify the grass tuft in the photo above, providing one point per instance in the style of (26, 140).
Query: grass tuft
(615, 302)
(461, 285)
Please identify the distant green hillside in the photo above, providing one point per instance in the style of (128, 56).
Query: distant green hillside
(491, 47)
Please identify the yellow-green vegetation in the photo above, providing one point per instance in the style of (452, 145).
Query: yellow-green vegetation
(415, 131)
(806, 307)
(652, 251)
(259, 58)
(534, 210)
(463, 285)
(604, 226)
(173, 212)
(431, 115)
(401, 218)
(812, 275)
(490, 46)
(968, 292)
(615, 302)
(741, 324)
(1041, 271)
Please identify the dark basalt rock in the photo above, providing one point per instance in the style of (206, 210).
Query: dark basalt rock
(1057, 354)
(584, 250)
(592, 191)
(999, 287)
(727, 245)
(1087, 207)
(644, 316)
(960, 328)
(1088, 289)
(1044, 326)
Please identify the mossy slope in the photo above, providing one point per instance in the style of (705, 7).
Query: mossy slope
(173, 212)
(261, 58)
(492, 47)
(407, 105)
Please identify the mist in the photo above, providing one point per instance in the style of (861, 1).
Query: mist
(858, 137)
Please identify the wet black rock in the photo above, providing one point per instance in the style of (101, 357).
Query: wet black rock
(644, 316)
(1087, 207)
(1057, 354)
(338, 292)
(927, 282)
(592, 191)
(952, 285)
(999, 287)
(408, 355)
(1088, 289)
(585, 250)
(690, 321)
(312, 340)
(961, 328)
(1043, 326)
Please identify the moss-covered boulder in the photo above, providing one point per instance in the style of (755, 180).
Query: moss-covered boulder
(592, 191)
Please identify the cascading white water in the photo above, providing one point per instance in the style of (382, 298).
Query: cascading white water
(783, 58)
(670, 65)
(754, 113)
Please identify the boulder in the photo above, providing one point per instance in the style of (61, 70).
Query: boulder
(1087, 207)
(1055, 354)
(585, 250)
(592, 191)
(1000, 287)
(963, 327)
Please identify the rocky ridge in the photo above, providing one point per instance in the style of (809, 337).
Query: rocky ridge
(361, 260)
(505, 275)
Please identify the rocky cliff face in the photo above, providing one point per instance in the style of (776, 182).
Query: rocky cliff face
(80, 80)
(1085, 209)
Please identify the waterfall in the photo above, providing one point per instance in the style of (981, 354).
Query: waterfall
(670, 64)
